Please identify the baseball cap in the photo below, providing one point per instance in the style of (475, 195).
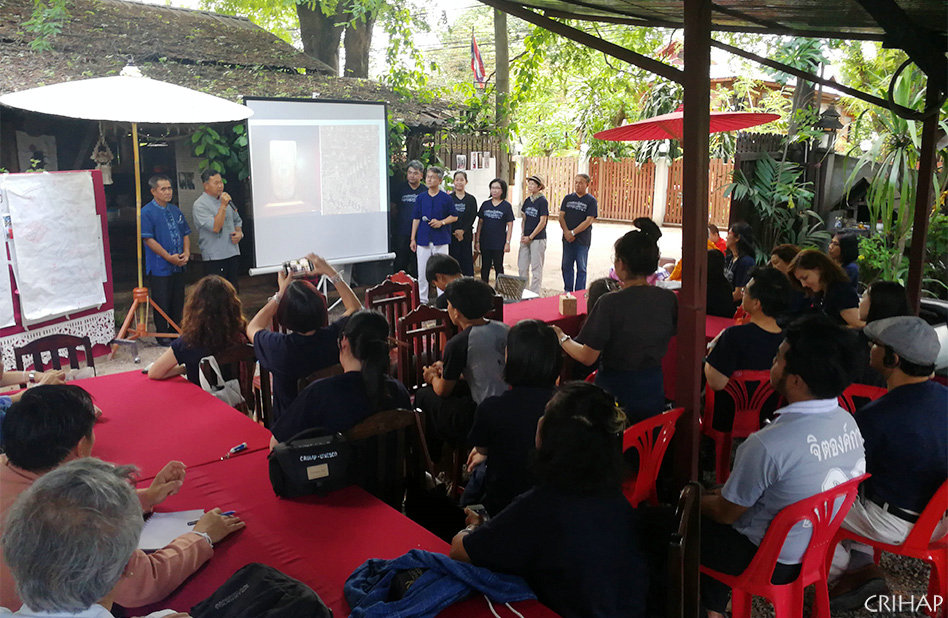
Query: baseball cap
(912, 338)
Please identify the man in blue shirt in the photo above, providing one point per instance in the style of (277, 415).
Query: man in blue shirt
(577, 213)
(432, 217)
(167, 239)
(403, 208)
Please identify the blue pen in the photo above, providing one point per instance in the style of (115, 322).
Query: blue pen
(237, 449)
(191, 523)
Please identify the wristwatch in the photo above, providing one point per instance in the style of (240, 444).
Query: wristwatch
(32, 376)
(564, 338)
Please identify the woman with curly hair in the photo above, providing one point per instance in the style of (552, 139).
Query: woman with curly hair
(827, 285)
(213, 321)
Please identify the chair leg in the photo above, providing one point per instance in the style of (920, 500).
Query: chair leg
(937, 585)
(741, 603)
(821, 605)
(789, 602)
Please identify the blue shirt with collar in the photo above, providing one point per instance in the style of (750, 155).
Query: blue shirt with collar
(427, 209)
(167, 226)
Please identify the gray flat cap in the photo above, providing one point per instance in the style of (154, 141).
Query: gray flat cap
(912, 338)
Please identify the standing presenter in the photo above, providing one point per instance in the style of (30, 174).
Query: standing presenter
(220, 229)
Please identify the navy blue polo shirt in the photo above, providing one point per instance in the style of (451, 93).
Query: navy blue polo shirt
(575, 209)
(168, 227)
(404, 199)
(428, 208)
(532, 210)
(494, 224)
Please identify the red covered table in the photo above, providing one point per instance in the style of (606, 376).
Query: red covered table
(547, 310)
(318, 540)
(149, 422)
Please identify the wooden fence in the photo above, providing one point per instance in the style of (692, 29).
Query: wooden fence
(623, 188)
(557, 174)
(719, 175)
(447, 146)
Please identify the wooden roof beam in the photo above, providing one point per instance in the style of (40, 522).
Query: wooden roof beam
(616, 51)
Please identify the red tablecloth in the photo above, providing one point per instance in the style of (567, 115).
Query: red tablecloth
(547, 310)
(149, 422)
(319, 541)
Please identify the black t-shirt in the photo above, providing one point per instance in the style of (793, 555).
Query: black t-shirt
(746, 347)
(291, 356)
(337, 404)
(467, 212)
(579, 554)
(838, 297)
(906, 439)
(532, 210)
(494, 224)
(632, 327)
(507, 427)
(404, 199)
(575, 209)
(739, 270)
(190, 358)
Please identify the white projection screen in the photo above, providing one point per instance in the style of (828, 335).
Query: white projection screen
(319, 172)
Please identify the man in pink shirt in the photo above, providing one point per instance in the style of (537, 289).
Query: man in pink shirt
(52, 425)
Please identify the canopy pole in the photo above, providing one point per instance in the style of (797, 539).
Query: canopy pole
(138, 201)
(694, 235)
(923, 201)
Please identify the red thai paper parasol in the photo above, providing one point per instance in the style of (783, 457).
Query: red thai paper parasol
(669, 126)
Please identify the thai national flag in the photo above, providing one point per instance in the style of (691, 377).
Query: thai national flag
(477, 63)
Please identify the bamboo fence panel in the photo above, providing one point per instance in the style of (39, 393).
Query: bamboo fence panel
(623, 188)
(719, 207)
(557, 173)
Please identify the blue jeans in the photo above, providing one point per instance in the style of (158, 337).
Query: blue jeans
(574, 252)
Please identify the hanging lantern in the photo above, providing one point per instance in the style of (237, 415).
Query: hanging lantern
(102, 156)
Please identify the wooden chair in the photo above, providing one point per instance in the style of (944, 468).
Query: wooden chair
(391, 299)
(403, 277)
(497, 313)
(239, 361)
(857, 395)
(825, 512)
(420, 336)
(684, 556)
(325, 372)
(919, 544)
(391, 453)
(650, 438)
(52, 344)
(752, 394)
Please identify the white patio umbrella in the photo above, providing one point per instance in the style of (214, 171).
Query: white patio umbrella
(129, 97)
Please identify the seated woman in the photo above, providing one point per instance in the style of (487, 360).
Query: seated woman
(743, 249)
(504, 431)
(310, 344)
(827, 286)
(573, 537)
(844, 249)
(881, 300)
(720, 294)
(213, 321)
(628, 331)
(341, 402)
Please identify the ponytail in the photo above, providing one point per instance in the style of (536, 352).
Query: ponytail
(367, 332)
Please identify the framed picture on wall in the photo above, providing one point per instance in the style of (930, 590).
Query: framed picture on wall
(460, 162)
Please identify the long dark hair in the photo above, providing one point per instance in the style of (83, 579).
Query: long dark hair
(746, 245)
(887, 299)
(848, 248)
(581, 441)
(367, 333)
(213, 318)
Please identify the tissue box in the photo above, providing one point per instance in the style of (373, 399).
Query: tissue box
(567, 304)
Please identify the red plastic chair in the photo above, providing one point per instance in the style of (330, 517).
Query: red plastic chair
(651, 446)
(591, 378)
(748, 400)
(787, 599)
(740, 316)
(918, 544)
(857, 395)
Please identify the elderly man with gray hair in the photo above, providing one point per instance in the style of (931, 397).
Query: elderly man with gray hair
(69, 538)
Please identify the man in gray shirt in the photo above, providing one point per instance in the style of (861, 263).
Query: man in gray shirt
(220, 228)
(812, 446)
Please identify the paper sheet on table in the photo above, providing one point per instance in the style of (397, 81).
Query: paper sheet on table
(57, 243)
(162, 528)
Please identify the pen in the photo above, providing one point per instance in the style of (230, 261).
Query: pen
(237, 449)
(224, 514)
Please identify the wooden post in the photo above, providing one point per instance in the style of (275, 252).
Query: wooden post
(923, 201)
(694, 235)
(502, 59)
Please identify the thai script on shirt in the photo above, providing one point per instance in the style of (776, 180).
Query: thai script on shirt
(531, 211)
(577, 205)
(835, 446)
(493, 214)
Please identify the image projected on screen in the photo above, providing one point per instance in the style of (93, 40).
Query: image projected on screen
(319, 176)
(343, 159)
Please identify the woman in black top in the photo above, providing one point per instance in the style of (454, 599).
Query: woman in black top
(462, 230)
(573, 537)
(743, 249)
(827, 286)
(844, 249)
(494, 227)
(720, 293)
(628, 331)
(881, 300)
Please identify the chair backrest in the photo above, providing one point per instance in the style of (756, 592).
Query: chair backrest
(684, 556)
(497, 313)
(390, 453)
(825, 511)
(420, 336)
(52, 344)
(650, 438)
(391, 299)
(921, 535)
(240, 362)
(319, 374)
(403, 277)
(857, 395)
(752, 394)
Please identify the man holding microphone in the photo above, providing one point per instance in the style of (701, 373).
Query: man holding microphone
(220, 226)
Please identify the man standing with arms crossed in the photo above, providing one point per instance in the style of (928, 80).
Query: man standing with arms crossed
(577, 213)
(167, 239)
(220, 226)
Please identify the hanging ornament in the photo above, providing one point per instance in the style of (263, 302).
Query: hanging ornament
(102, 156)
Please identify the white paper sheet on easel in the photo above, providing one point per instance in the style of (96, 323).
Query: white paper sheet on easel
(6, 293)
(57, 243)
(162, 528)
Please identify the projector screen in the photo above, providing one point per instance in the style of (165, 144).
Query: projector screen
(319, 172)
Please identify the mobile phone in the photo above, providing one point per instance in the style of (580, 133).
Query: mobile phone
(479, 510)
(297, 267)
